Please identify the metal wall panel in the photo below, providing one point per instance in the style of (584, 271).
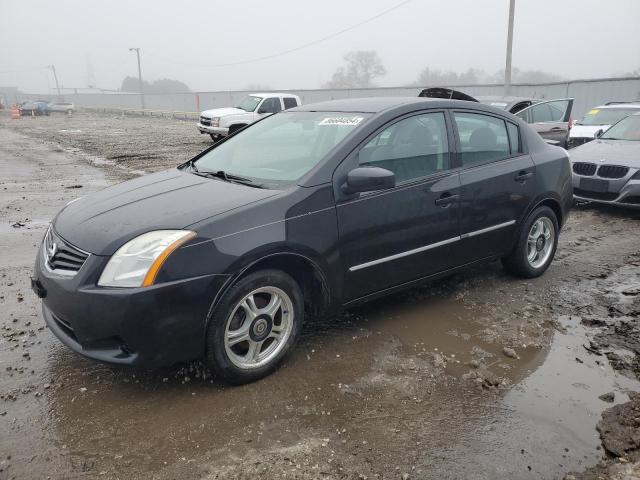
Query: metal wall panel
(587, 93)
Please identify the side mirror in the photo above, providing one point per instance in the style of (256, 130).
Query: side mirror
(368, 179)
(598, 134)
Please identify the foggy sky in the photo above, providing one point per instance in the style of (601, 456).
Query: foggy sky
(182, 40)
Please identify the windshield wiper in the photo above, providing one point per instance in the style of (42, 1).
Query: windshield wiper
(227, 177)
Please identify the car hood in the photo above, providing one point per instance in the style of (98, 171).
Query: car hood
(102, 222)
(222, 112)
(610, 152)
(586, 131)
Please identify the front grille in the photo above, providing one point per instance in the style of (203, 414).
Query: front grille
(607, 196)
(577, 141)
(61, 256)
(586, 169)
(205, 121)
(612, 171)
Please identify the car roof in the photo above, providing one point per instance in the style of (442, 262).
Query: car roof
(273, 94)
(506, 99)
(370, 104)
(613, 106)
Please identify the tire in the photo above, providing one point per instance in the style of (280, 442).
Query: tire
(214, 137)
(238, 328)
(532, 256)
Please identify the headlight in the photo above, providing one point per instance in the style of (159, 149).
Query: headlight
(215, 122)
(137, 262)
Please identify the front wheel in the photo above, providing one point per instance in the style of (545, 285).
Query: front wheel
(536, 244)
(254, 326)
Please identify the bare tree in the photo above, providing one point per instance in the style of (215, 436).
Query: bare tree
(527, 76)
(360, 68)
(432, 78)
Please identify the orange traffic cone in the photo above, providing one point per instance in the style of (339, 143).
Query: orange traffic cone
(15, 111)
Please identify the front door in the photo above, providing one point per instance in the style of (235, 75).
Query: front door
(394, 236)
(550, 119)
(497, 183)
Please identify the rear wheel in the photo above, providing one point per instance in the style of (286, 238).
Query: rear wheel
(536, 245)
(255, 325)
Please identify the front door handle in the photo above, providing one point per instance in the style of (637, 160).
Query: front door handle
(447, 199)
(523, 176)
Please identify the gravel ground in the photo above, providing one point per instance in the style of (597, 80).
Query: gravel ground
(134, 143)
(479, 376)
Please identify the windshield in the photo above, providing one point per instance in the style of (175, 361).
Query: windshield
(282, 148)
(607, 116)
(626, 129)
(249, 104)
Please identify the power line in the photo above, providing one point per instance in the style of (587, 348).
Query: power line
(298, 48)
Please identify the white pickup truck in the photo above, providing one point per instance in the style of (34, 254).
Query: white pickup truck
(220, 122)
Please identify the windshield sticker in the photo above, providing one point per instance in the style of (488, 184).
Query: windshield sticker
(593, 112)
(351, 121)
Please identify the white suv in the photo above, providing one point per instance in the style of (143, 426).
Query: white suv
(220, 122)
(598, 120)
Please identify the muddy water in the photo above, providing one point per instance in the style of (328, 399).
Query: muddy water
(415, 383)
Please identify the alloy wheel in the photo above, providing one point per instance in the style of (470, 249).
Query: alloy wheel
(540, 242)
(258, 327)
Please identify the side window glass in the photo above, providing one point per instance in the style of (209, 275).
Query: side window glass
(483, 138)
(541, 113)
(545, 112)
(289, 102)
(271, 105)
(557, 110)
(411, 148)
(514, 138)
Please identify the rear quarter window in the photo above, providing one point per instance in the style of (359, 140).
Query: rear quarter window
(514, 138)
(289, 102)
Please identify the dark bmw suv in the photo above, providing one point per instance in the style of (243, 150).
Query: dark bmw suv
(307, 211)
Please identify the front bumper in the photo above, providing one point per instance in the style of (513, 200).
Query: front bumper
(623, 192)
(220, 131)
(152, 326)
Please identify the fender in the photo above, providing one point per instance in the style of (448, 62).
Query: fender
(234, 277)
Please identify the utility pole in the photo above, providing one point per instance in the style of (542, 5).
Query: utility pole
(53, 69)
(507, 70)
(137, 50)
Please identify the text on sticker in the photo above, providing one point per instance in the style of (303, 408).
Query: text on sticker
(353, 121)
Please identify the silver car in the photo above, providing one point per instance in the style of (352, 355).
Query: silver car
(607, 170)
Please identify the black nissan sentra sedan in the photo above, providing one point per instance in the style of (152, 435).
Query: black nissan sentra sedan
(302, 213)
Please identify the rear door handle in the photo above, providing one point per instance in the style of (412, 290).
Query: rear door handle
(557, 129)
(447, 199)
(523, 176)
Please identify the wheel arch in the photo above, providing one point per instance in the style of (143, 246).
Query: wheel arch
(545, 200)
(305, 271)
(234, 127)
(553, 203)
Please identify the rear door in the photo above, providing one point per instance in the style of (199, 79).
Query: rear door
(393, 236)
(497, 183)
(550, 119)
